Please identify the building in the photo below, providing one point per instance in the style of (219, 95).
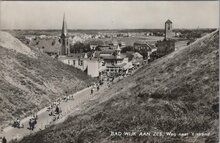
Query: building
(96, 68)
(165, 47)
(106, 53)
(169, 30)
(149, 34)
(115, 62)
(64, 38)
(92, 66)
(144, 48)
(92, 47)
(137, 58)
(113, 57)
(96, 63)
(113, 44)
(178, 34)
(77, 62)
(104, 47)
(141, 45)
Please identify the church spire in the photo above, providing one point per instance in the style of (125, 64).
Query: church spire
(64, 27)
(64, 49)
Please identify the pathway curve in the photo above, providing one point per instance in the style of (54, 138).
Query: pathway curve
(44, 119)
(43, 115)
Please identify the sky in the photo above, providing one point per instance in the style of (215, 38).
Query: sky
(108, 14)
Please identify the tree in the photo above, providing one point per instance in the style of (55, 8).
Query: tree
(127, 48)
(98, 48)
(79, 47)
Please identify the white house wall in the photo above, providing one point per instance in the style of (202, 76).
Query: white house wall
(93, 69)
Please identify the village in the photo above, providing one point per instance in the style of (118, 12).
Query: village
(90, 72)
(105, 59)
(108, 63)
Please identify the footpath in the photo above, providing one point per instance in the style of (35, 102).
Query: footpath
(44, 120)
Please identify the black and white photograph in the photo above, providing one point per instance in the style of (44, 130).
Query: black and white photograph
(109, 71)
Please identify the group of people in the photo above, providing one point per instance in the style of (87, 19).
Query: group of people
(55, 111)
(33, 121)
(57, 114)
(17, 124)
(66, 98)
(95, 86)
(58, 101)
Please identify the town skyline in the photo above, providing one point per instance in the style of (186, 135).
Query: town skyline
(108, 15)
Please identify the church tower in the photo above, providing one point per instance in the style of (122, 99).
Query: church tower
(64, 50)
(118, 52)
(168, 30)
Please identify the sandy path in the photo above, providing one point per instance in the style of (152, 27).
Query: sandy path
(43, 115)
(44, 119)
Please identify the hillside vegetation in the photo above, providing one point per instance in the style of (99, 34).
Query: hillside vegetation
(177, 93)
(29, 79)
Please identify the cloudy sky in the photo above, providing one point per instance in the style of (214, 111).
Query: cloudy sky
(108, 14)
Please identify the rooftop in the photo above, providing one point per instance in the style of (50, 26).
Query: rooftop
(76, 58)
(112, 58)
(168, 21)
(151, 46)
(119, 65)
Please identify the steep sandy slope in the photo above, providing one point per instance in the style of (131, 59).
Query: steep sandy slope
(9, 42)
(30, 79)
(177, 93)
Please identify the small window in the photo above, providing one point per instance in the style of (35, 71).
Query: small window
(168, 27)
(80, 62)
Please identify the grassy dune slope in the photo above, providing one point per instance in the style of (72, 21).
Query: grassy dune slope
(177, 93)
(30, 79)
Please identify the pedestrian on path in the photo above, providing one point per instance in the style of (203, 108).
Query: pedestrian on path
(97, 87)
(92, 91)
(4, 140)
(100, 82)
(113, 79)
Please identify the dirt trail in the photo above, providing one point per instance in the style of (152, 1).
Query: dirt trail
(43, 115)
(45, 120)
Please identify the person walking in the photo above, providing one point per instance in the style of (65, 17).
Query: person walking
(57, 110)
(4, 140)
(97, 87)
(92, 91)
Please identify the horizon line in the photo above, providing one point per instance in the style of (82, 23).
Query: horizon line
(116, 29)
